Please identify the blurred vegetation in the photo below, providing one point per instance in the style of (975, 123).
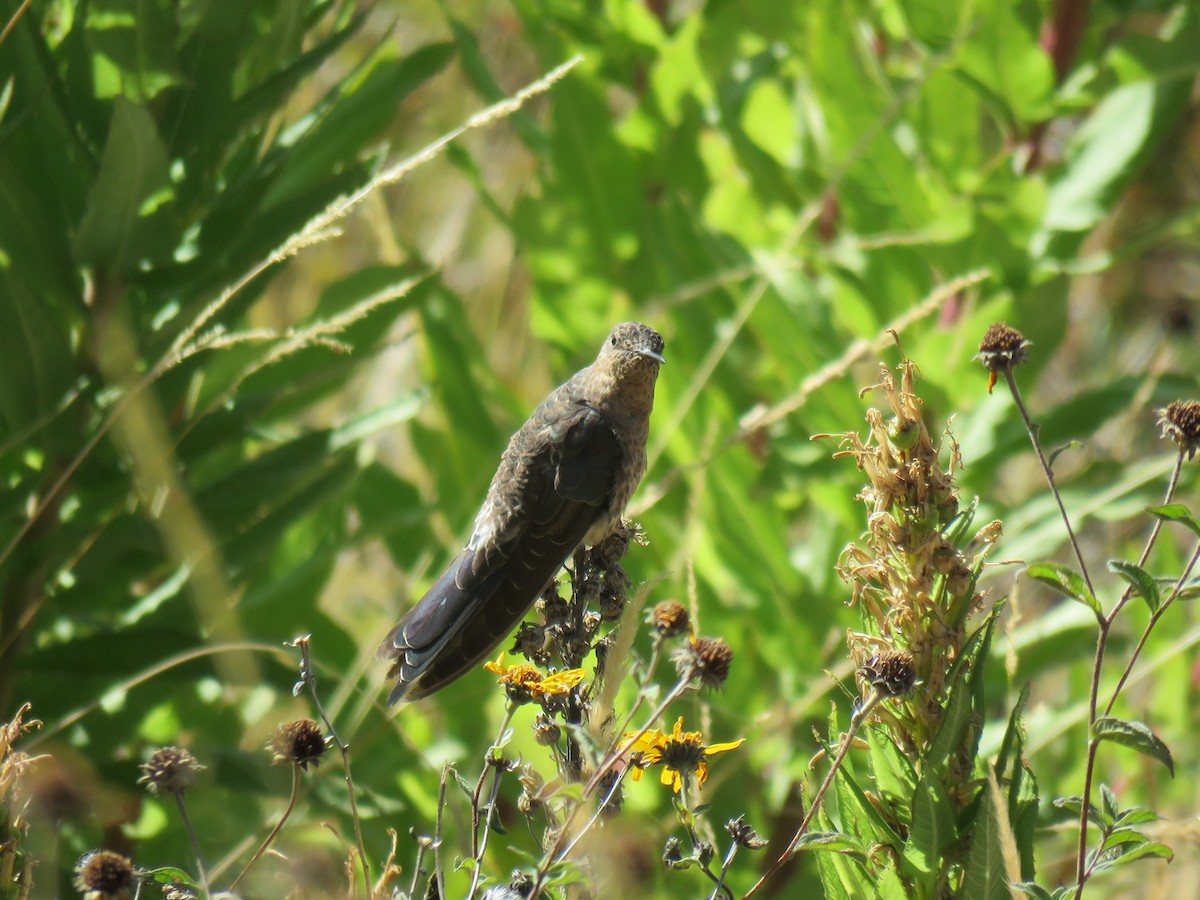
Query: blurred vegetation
(235, 409)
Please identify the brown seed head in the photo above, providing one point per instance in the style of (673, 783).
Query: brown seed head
(1001, 349)
(669, 618)
(102, 874)
(169, 770)
(892, 672)
(706, 659)
(609, 786)
(546, 731)
(1180, 421)
(299, 742)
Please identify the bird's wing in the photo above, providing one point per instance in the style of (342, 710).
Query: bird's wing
(562, 487)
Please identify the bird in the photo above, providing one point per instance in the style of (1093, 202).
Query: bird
(563, 482)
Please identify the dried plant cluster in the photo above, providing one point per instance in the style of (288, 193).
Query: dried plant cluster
(913, 576)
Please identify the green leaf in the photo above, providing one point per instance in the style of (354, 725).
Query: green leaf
(1140, 580)
(1065, 581)
(170, 875)
(1032, 889)
(1176, 512)
(932, 827)
(986, 877)
(956, 719)
(830, 840)
(1135, 735)
(1150, 849)
(122, 224)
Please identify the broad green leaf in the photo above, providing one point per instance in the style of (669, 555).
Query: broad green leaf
(127, 204)
(1139, 580)
(1066, 582)
(1176, 512)
(1103, 156)
(1135, 735)
(1150, 849)
(932, 828)
(892, 771)
(986, 876)
(956, 719)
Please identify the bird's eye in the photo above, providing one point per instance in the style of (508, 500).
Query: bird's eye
(613, 340)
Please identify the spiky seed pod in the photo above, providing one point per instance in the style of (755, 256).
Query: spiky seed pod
(103, 874)
(1180, 421)
(1001, 349)
(300, 742)
(169, 770)
(892, 672)
(706, 659)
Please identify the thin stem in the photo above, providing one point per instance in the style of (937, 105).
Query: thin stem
(274, 831)
(557, 852)
(725, 864)
(1082, 870)
(487, 830)
(438, 873)
(855, 722)
(308, 676)
(488, 764)
(1033, 430)
(191, 833)
(1158, 614)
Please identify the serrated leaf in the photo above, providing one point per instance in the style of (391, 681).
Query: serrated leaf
(986, 876)
(1140, 580)
(1176, 512)
(1108, 803)
(1135, 735)
(932, 825)
(1121, 838)
(1154, 849)
(1065, 581)
(1136, 815)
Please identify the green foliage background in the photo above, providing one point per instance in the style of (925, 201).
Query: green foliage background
(771, 185)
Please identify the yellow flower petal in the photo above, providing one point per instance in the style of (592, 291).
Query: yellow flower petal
(721, 748)
(559, 682)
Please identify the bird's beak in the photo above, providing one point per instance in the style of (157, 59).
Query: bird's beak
(650, 354)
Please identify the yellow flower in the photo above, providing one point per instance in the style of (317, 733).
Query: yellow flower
(528, 677)
(680, 752)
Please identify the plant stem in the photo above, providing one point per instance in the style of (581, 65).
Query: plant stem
(855, 722)
(274, 831)
(191, 833)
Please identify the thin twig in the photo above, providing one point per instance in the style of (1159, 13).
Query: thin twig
(309, 678)
(855, 722)
(191, 833)
(274, 831)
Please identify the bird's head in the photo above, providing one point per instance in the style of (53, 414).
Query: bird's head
(634, 342)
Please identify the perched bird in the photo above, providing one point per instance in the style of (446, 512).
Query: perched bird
(563, 481)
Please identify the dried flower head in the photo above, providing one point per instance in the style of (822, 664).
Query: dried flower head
(1002, 348)
(706, 659)
(102, 874)
(1180, 421)
(546, 731)
(744, 835)
(681, 753)
(613, 548)
(892, 672)
(178, 892)
(300, 742)
(169, 770)
(670, 618)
